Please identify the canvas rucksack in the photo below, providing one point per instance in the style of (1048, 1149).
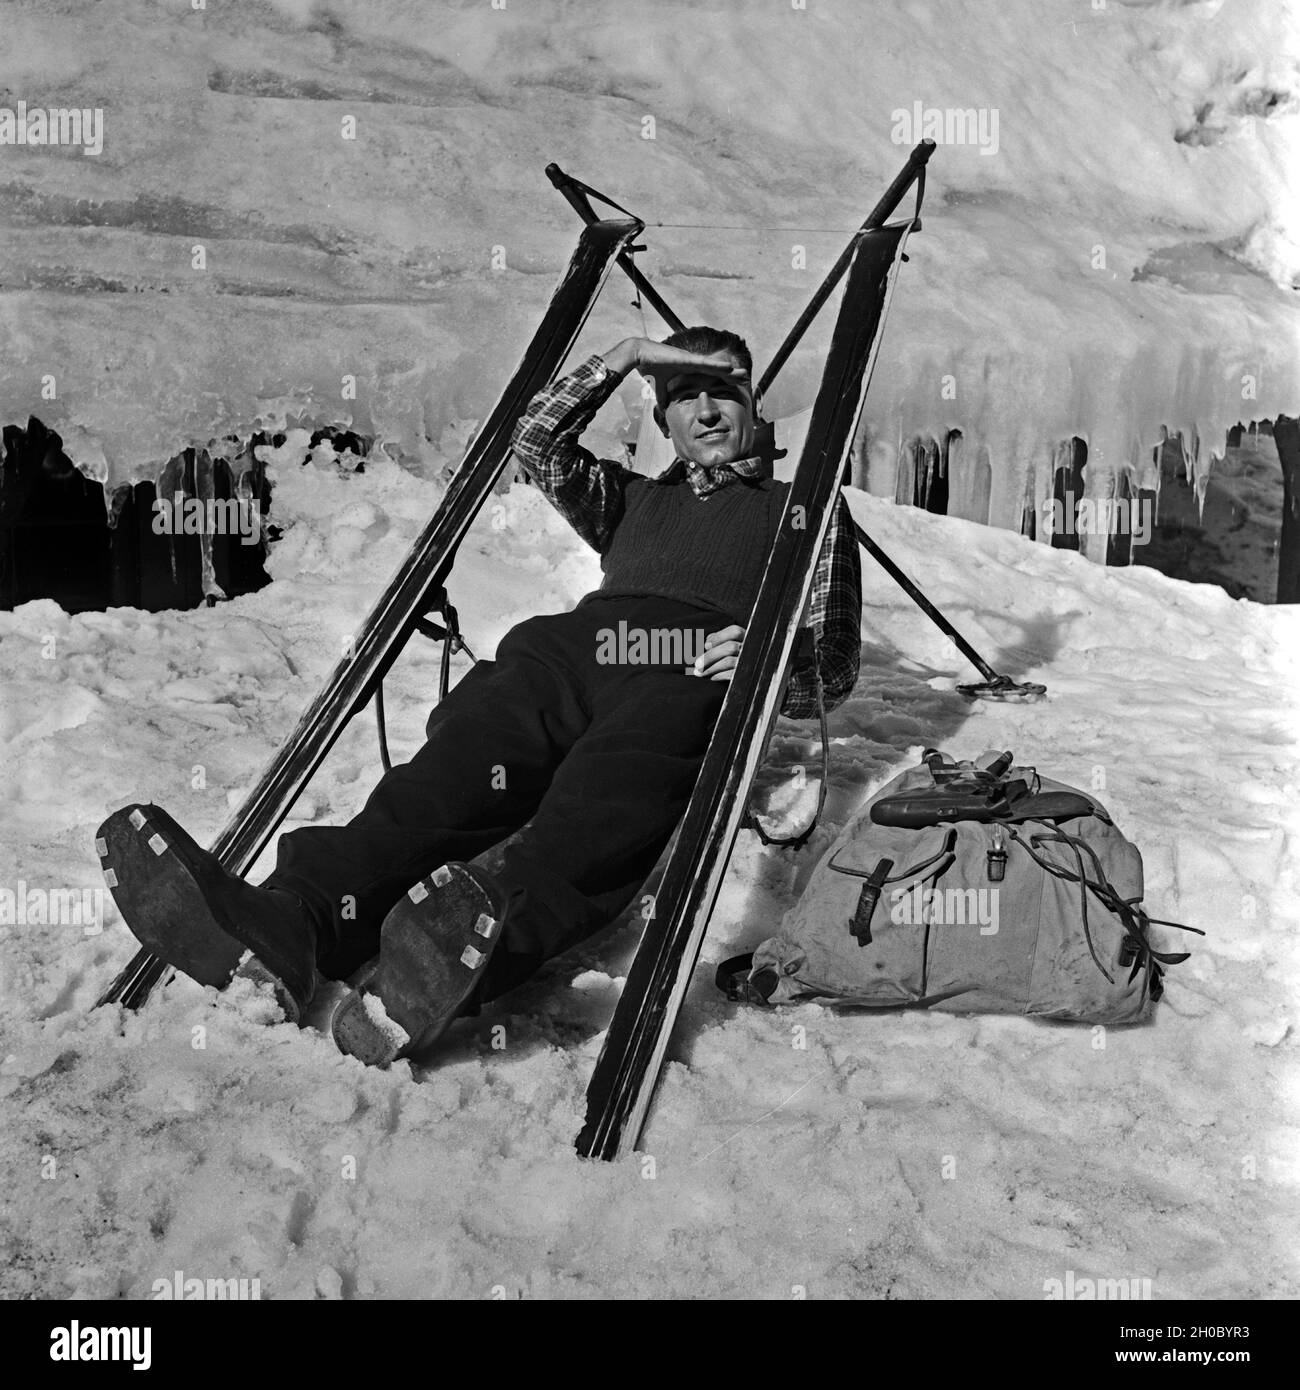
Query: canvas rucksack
(975, 887)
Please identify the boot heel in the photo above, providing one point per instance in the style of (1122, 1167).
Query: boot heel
(252, 969)
(361, 1028)
(434, 946)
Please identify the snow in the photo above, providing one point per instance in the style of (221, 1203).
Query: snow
(1123, 263)
(1120, 260)
(907, 1155)
(383, 1023)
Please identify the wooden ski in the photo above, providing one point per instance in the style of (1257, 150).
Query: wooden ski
(623, 1083)
(410, 593)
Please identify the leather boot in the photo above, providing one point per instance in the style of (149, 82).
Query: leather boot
(185, 907)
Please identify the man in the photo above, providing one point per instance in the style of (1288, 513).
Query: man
(591, 744)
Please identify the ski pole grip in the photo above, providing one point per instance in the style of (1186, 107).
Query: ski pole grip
(575, 199)
(893, 195)
(562, 181)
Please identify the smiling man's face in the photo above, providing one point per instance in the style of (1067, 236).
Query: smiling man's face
(710, 420)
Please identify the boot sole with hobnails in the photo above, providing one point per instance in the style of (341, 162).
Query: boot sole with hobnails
(434, 947)
(163, 884)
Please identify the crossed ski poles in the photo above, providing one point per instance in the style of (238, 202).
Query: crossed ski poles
(578, 195)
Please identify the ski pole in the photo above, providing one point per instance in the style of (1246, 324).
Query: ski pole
(924, 604)
(914, 169)
(993, 685)
(575, 194)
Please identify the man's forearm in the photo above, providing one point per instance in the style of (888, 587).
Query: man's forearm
(658, 361)
(622, 357)
(587, 491)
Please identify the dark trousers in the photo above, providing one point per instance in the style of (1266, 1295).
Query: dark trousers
(598, 760)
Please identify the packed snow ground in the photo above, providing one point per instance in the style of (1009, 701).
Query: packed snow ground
(895, 1155)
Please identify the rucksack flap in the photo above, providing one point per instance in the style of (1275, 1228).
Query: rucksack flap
(1037, 916)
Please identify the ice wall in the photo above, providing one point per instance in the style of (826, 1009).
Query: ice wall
(337, 214)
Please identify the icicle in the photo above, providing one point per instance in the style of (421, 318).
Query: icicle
(205, 491)
(88, 458)
(160, 495)
(115, 502)
(1199, 468)
(1157, 477)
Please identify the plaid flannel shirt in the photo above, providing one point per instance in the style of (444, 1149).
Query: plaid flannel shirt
(588, 493)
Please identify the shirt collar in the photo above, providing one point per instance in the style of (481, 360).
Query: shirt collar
(677, 469)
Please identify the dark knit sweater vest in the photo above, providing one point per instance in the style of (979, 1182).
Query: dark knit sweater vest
(709, 550)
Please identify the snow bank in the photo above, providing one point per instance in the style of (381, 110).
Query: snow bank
(901, 1156)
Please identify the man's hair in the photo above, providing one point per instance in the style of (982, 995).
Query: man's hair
(706, 340)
